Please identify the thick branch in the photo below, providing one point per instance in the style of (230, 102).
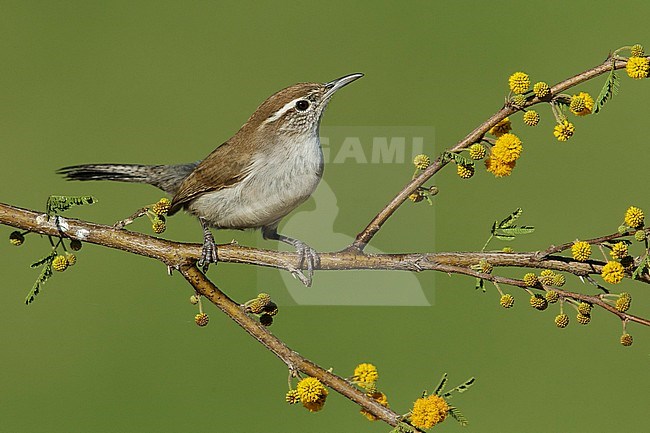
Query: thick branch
(175, 254)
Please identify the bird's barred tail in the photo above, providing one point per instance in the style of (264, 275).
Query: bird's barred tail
(166, 177)
(119, 172)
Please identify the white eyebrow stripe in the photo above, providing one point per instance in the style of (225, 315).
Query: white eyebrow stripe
(288, 106)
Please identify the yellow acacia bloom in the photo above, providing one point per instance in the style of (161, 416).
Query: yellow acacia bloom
(421, 161)
(619, 250)
(465, 171)
(581, 104)
(366, 373)
(519, 82)
(613, 272)
(541, 89)
(638, 67)
(563, 131)
(531, 118)
(429, 411)
(581, 251)
(311, 390)
(498, 167)
(503, 127)
(477, 151)
(507, 148)
(634, 217)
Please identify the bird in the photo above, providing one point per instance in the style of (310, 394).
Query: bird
(254, 179)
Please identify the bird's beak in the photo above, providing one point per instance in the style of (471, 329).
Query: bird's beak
(335, 85)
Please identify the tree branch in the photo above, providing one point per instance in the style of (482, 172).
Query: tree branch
(364, 237)
(292, 359)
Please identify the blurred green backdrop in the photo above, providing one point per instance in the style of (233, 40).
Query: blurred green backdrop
(111, 345)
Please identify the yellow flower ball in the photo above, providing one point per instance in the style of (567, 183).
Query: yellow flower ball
(162, 206)
(626, 339)
(504, 126)
(311, 390)
(519, 82)
(581, 104)
(561, 320)
(552, 296)
(60, 263)
(531, 118)
(583, 319)
(477, 151)
(584, 308)
(563, 131)
(530, 279)
(507, 301)
(612, 272)
(581, 251)
(201, 319)
(421, 162)
(634, 217)
(366, 373)
(638, 67)
(637, 50)
(292, 397)
(619, 250)
(498, 167)
(541, 89)
(465, 171)
(71, 258)
(429, 411)
(624, 302)
(507, 148)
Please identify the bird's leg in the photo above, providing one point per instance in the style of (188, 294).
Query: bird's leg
(307, 256)
(209, 251)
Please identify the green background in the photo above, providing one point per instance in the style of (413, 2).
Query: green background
(111, 345)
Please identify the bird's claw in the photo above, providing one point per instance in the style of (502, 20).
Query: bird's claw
(208, 252)
(307, 258)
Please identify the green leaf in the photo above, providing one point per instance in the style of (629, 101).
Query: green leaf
(459, 159)
(455, 414)
(480, 284)
(509, 221)
(641, 268)
(504, 237)
(60, 203)
(46, 273)
(460, 388)
(523, 230)
(441, 385)
(610, 88)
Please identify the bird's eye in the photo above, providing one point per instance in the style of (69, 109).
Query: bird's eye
(302, 105)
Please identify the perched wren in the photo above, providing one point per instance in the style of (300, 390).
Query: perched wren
(262, 173)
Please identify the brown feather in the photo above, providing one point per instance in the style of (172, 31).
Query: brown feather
(224, 167)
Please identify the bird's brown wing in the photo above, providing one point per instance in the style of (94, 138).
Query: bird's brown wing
(224, 167)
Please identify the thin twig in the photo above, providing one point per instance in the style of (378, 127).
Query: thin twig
(364, 237)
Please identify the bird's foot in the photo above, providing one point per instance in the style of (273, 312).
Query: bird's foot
(307, 259)
(209, 250)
